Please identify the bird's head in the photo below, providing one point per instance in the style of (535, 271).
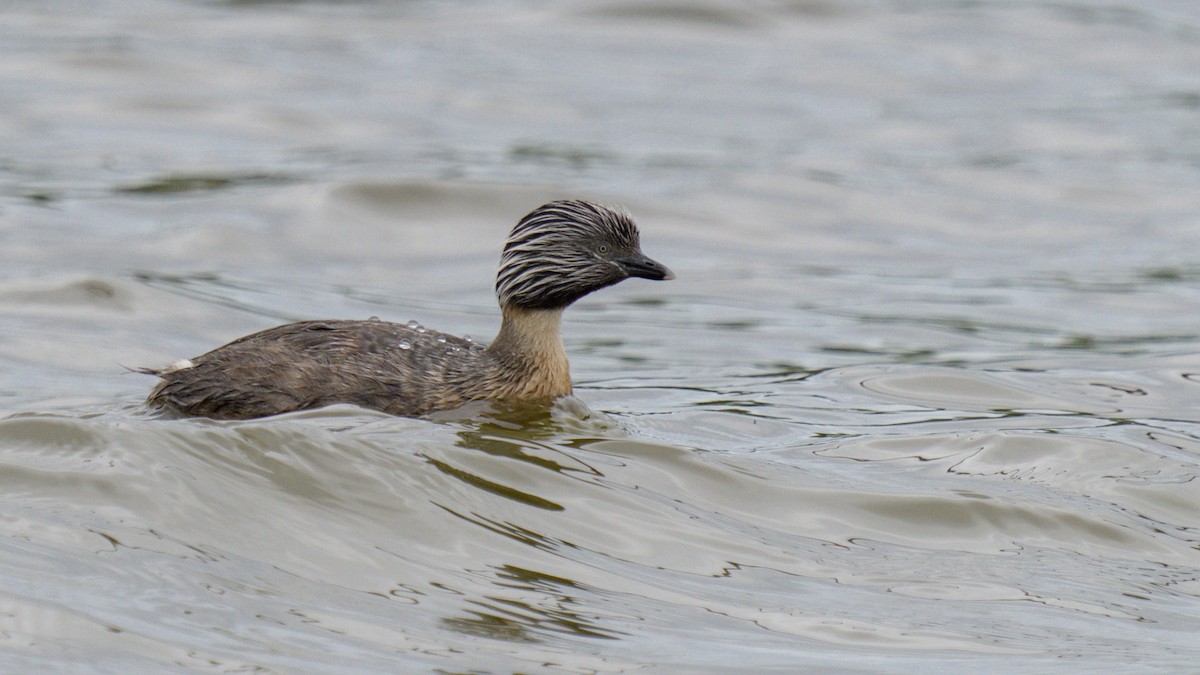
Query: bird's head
(564, 250)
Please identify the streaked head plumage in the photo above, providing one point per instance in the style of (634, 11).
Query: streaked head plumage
(563, 250)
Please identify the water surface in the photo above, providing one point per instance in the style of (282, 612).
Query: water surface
(922, 397)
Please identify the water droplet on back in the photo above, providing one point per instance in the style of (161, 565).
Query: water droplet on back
(374, 318)
(413, 324)
(441, 339)
(404, 344)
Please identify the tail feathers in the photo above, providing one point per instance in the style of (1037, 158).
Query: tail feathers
(182, 364)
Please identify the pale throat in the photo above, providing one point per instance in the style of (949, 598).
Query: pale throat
(530, 341)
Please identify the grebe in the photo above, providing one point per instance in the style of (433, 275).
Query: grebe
(555, 255)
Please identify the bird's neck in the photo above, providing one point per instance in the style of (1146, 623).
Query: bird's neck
(530, 354)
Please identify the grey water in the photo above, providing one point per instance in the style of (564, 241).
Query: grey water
(924, 395)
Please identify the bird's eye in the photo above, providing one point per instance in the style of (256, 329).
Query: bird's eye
(603, 249)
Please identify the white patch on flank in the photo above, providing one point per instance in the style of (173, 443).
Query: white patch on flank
(182, 364)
